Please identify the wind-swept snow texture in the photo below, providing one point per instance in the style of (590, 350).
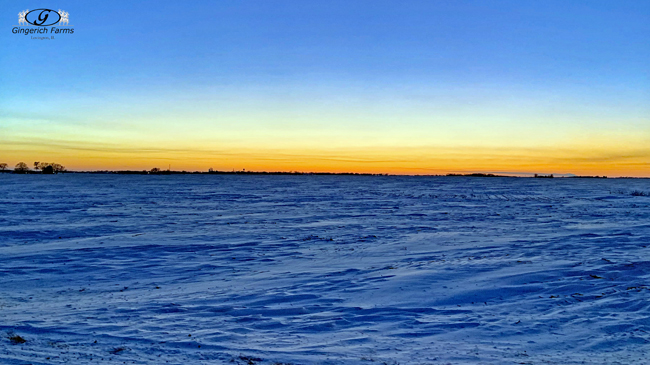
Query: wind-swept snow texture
(212, 269)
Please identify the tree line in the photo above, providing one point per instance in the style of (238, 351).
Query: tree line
(43, 167)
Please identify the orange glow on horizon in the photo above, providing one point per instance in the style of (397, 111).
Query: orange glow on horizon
(398, 161)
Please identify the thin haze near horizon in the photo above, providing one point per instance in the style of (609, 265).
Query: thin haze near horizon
(413, 87)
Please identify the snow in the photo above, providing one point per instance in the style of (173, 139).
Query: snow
(205, 269)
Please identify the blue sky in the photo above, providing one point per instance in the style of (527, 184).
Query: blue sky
(294, 84)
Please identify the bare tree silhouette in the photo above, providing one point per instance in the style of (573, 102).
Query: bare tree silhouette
(49, 167)
(58, 168)
(21, 168)
(3, 166)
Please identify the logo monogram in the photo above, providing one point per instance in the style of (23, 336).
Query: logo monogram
(43, 17)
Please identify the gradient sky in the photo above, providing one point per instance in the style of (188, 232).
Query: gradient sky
(415, 87)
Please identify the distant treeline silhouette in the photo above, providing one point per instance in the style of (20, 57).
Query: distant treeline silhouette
(570, 177)
(587, 177)
(157, 171)
(479, 175)
(39, 168)
(55, 168)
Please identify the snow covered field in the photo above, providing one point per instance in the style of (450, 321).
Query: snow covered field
(200, 269)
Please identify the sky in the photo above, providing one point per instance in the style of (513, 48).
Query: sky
(404, 87)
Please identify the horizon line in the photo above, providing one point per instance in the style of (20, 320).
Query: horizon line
(347, 173)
